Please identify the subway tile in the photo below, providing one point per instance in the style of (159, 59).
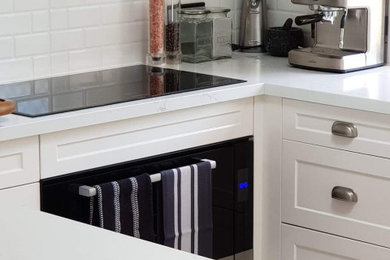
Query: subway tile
(67, 40)
(59, 19)
(115, 13)
(59, 63)
(41, 21)
(16, 70)
(15, 23)
(32, 44)
(66, 3)
(116, 55)
(6, 6)
(94, 37)
(84, 16)
(84, 60)
(29, 5)
(6, 47)
(42, 66)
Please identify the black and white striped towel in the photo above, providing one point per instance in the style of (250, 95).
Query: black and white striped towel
(125, 206)
(187, 208)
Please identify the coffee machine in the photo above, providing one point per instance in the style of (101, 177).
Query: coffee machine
(348, 35)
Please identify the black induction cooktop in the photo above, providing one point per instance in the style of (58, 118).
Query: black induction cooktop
(68, 93)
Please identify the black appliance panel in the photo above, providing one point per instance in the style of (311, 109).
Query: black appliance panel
(232, 191)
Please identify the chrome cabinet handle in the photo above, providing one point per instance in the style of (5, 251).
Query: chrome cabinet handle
(344, 129)
(344, 194)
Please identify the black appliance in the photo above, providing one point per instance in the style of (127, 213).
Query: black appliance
(232, 182)
(80, 91)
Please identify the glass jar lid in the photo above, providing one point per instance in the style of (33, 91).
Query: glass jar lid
(193, 11)
(218, 9)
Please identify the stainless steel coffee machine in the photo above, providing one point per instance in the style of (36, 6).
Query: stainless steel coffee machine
(348, 35)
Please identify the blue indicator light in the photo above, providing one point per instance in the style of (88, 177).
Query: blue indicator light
(243, 185)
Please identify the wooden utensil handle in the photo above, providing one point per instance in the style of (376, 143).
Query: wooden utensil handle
(6, 107)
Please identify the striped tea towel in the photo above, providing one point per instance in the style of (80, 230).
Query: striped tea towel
(125, 206)
(187, 208)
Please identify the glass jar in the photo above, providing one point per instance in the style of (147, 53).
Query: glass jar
(156, 54)
(222, 32)
(196, 31)
(172, 32)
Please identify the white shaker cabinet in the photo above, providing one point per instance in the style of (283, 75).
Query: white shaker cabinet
(19, 162)
(22, 196)
(335, 183)
(305, 244)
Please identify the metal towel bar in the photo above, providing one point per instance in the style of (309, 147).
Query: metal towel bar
(88, 191)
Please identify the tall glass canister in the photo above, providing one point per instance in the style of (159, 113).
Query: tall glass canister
(156, 54)
(196, 32)
(222, 32)
(172, 32)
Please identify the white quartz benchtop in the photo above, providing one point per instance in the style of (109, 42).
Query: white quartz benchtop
(34, 235)
(365, 90)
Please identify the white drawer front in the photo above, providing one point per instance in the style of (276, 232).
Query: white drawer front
(312, 123)
(303, 244)
(308, 177)
(95, 146)
(21, 196)
(19, 162)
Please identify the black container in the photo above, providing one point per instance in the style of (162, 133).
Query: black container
(280, 40)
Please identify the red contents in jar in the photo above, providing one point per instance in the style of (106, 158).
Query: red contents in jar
(156, 26)
(156, 84)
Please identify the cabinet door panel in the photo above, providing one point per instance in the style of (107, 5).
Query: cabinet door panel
(21, 196)
(310, 174)
(19, 162)
(303, 244)
(312, 123)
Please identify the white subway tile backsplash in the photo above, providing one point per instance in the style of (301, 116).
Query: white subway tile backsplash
(32, 44)
(95, 37)
(18, 23)
(58, 19)
(59, 63)
(66, 3)
(41, 21)
(67, 40)
(40, 38)
(84, 60)
(28, 5)
(16, 70)
(84, 16)
(6, 6)
(6, 47)
(119, 12)
(42, 66)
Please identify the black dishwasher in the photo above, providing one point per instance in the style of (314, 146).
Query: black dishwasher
(232, 182)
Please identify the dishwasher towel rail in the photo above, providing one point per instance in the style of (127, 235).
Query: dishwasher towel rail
(87, 191)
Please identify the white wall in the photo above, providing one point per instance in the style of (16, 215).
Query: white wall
(42, 38)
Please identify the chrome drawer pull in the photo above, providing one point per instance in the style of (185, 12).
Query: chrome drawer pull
(344, 194)
(344, 129)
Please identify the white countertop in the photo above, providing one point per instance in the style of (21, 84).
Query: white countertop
(28, 234)
(366, 90)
